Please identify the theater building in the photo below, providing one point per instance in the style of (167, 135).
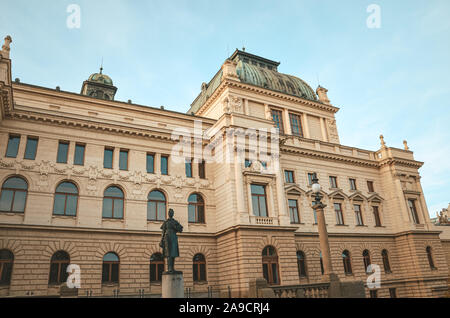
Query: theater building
(88, 180)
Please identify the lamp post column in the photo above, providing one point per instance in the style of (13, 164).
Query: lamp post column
(323, 239)
(318, 206)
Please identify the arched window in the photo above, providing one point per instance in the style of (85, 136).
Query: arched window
(366, 259)
(301, 264)
(113, 203)
(156, 267)
(321, 264)
(270, 265)
(14, 195)
(156, 206)
(199, 268)
(58, 267)
(196, 209)
(347, 262)
(386, 265)
(430, 257)
(6, 265)
(66, 199)
(110, 270)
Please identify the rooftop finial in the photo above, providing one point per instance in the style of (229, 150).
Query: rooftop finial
(383, 144)
(405, 143)
(101, 67)
(243, 48)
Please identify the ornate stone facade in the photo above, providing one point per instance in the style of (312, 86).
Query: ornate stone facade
(232, 236)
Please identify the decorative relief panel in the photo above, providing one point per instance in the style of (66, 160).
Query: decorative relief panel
(93, 173)
(332, 131)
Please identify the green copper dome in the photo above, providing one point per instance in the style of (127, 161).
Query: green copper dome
(269, 78)
(100, 78)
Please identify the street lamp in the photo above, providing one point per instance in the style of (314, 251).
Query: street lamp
(316, 188)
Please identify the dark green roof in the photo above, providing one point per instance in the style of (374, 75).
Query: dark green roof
(261, 72)
(100, 78)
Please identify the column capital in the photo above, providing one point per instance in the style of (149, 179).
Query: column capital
(317, 206)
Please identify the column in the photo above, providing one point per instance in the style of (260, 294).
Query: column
(305, 125)
(324, 130)
(242, 215)
(287, 123)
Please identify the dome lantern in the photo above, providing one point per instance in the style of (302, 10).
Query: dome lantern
(100, 86)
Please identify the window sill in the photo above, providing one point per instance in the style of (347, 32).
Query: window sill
(113, 219)
(341, 224)
(155, 221)
(11, 213)
(56, 216)
(297, 223)
(110, 284)
(201, 283)
(361, 225)
(197, 223)
(156, 283)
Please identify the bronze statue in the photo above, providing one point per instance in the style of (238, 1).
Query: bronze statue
(169, 240)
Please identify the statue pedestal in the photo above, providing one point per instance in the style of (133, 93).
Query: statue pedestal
(172, 285)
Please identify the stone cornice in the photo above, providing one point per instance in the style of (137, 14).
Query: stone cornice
(401, 162)
(86, 124)
(328, 156)
(54, 228)
(266, 92)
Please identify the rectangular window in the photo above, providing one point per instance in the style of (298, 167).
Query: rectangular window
(370, 186)
(123, 159)
(373, 293)
(150, 163)
(259, 202)
(376, 215)
(310, 178)
(393, 292)
(339, 215)
(315, 215)
(296, 125)
(412, 208)
(293, 211)
(79, 154)
(202, 169)
(188, 167)
(13, 146)
(108, 158)
(165, 165)
(352, 184)
(63, 152)
(358, 214)
(289, 176)
(31, 148)
(333, 182)
(277, 117)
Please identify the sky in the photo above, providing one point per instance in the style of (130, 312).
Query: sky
(392, 80)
